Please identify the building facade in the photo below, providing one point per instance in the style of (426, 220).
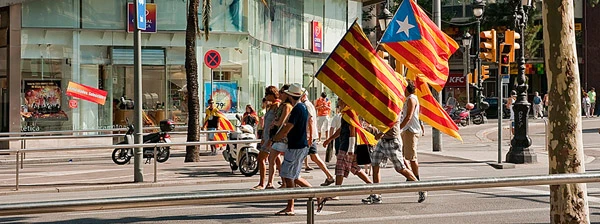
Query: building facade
(48, 47)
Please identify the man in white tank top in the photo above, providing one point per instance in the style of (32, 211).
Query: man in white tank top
(410, 129)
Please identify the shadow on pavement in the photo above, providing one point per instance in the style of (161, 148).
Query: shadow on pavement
(226, 217)
(483, 162)
(531, 198)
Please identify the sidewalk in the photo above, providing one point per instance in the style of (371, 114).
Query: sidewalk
(94, 169)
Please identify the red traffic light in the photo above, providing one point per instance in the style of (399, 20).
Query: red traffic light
(504, 59)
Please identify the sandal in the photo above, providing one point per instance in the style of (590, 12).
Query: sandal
(257, 188)
(308, 168)
(321, 203)
(270, 187)
(285, 213)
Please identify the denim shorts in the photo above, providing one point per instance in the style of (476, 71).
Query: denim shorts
(211, 136)
(292, 163)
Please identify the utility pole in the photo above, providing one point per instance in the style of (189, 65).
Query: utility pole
(140, 12)
(436, 134)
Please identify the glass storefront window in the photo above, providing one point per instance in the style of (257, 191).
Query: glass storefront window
(171, 14)
(105, 14)
(226, 16)
(51, 13)
(43, 102)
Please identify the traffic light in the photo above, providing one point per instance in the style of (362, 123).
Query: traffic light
(505, 51)
(473, 78)
(485, 72)
(488, 45)
(511, 38)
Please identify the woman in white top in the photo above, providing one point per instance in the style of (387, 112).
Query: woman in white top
(509, 104)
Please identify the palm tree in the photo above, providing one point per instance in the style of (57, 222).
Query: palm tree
(568, 202)
(192, 153)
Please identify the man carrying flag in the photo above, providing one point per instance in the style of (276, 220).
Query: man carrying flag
(350, 134)
(215, 120)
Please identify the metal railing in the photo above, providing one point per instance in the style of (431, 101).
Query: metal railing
(49, 135)
(75, 131)
(237, 196)
(19, 160)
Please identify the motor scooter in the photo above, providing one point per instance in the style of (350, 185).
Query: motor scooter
(478, 114)
(460, 116)
(242, 156)
(122, 156)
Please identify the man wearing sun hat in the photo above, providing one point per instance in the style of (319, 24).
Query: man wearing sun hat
(295, 130)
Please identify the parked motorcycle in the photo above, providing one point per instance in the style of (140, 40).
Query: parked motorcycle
(244, 157)
(122, 156)
(478, 114)
(460, 115)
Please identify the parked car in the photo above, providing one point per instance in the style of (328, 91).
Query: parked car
(492, 111)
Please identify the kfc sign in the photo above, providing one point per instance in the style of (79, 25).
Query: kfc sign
(456, 80)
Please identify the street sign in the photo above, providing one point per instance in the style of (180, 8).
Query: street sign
(212, 59)
(141, 14)
(505, 79)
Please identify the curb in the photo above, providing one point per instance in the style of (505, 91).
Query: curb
(131, 185)
(78, 159)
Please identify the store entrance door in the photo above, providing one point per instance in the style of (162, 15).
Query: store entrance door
(154, 94)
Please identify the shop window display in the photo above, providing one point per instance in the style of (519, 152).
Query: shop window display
(43, 105)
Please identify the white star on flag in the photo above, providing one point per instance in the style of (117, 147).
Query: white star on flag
(405, 26)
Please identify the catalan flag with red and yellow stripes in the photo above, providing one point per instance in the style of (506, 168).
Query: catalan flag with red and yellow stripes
(363, 80)
(415, 41)
(432, 112)
(224, 124)
(363, 137)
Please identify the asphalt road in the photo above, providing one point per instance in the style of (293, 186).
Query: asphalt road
(494, 205)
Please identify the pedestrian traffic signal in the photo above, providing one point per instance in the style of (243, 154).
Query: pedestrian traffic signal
(485, 72)
(488, 45)
(505, 50)
(512, 38)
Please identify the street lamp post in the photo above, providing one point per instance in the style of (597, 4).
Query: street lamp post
(478, 8)
(466, 41)
(519, 151)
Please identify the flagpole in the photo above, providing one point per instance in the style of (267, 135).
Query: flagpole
(436, 135)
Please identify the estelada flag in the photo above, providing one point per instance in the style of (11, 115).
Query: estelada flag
(432, 112)
(224, 124)
(415, 41)
(363, 80)
(363, 137)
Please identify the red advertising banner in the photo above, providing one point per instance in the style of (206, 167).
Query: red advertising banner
(86, 93)
(150, 18)
(317, 36)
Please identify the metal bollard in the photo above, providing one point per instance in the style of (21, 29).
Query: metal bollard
(155, 164)
(546, 133)
(17, 173)
(310, 211)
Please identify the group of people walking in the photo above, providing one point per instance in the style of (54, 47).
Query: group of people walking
(292, 126)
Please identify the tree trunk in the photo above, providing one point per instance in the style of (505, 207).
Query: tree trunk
(568, 202)
(192, 153)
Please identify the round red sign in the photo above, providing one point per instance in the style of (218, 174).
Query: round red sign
(212, 59)
(73, 104)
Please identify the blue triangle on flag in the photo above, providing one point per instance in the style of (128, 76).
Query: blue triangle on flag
(404, 26)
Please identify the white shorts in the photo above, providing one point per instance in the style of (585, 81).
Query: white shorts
(323, 123)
